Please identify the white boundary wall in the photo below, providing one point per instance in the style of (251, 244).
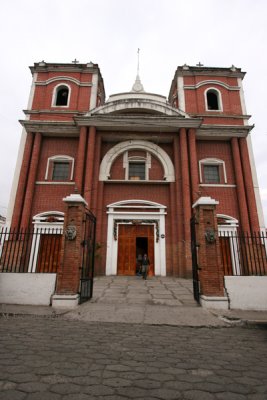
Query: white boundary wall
(247, 292)
(27, 288)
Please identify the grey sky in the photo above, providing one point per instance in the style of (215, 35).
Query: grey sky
(108, 32)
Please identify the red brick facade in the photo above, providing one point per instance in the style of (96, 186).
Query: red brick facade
(202, 124)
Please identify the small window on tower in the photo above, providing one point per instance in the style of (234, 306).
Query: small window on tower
(213, 100)
(211, 173)
(137, 171)
(62, 96)
(61, 171)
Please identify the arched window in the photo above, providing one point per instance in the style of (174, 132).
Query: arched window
(213, 100)
(61, 96)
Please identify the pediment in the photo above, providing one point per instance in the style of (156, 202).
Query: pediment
(137, 104)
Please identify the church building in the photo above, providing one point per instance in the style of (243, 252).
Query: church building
(139, 160)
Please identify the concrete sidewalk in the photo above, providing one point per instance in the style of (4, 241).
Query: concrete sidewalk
(156, 301)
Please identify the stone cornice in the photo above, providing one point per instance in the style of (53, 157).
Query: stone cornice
(51, 127)
(223, 131)
(138, 122)
(220, 115)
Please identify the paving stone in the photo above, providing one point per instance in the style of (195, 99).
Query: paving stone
(98, 390)
(65, 388)
(117, 382)
(23, 378)
(12, 395)
(230, 396)
(199, 395)
(43, 396)
(166, 394)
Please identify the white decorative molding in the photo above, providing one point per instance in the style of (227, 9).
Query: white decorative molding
(54, 183)
(212, 82)
(62, 78)
(180, 91)
(156, 212)
(122, 147)
(93, 97)
(217, 185)
(242, 99)
(156, 104)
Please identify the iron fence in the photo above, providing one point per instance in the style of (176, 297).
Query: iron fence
(30, 251)
(242, 253)
(88, 257)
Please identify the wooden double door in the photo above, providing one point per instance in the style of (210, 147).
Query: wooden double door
(134, 240)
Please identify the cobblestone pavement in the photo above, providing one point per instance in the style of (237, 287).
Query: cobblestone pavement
(54, 359)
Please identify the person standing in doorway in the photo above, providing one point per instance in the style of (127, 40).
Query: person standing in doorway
(145, 266)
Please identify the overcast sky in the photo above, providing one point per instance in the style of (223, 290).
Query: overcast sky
(169, 33)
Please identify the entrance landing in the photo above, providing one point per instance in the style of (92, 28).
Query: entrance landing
(156, 301)
(132, 290)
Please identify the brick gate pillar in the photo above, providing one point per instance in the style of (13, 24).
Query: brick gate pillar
(69, 273)
(211, 274)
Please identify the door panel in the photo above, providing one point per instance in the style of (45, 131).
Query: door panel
(226, 255)
(49, 253)
(127, 247)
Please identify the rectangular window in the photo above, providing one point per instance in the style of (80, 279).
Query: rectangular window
(211, 173)
(61, 171)
(137, 171)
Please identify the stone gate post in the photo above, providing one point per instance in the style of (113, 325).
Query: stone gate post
(211, 275)
(69, 273)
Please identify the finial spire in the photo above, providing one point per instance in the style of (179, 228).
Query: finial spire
(138, 51)
(137, 86)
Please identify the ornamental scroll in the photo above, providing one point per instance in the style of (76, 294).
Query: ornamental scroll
(135, 222)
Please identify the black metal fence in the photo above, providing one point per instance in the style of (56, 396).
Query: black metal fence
(242, 253)
(88, 257)
(30, 251)
(195, 268)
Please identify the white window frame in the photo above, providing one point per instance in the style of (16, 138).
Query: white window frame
(59, 158)
(219, 98)
(212, 161)
(136, 159)
(55, 91)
